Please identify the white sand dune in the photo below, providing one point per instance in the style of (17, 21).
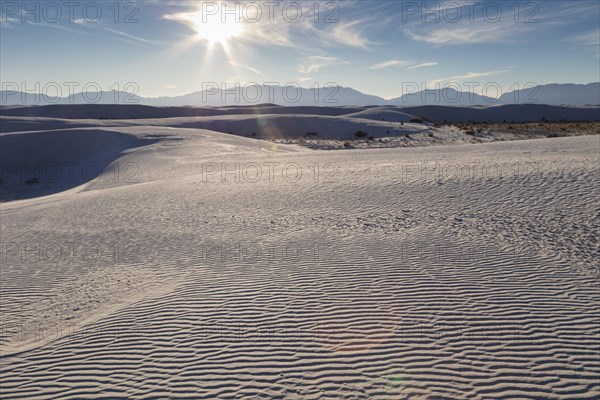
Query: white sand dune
(507, 113)
(295, 125)
(106, 111)
(58, 160)
(495, 113)
(226, 267)
(382, 114)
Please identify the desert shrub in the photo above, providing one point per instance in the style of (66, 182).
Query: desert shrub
(553, 135)
(430, 135)
(371, 138)
(470, 132)
(402, 123)
(311, 133)
(361, 134)
(347, 145)
(406, 136)
(416, 120)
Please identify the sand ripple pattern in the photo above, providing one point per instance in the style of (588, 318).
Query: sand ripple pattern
(372, 288)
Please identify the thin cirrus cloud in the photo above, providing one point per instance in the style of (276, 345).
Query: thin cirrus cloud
(464, 77)
(131, 38)
(303, 34)
(8, 22)
(510, 25)
(464, 35)
(246, 67)
(423, 65)
(391, 63)
(349, 34)
(589, 41)
(402, 64)
(473, 27)
(315, 63)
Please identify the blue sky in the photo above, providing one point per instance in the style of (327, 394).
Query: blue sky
(171, 48)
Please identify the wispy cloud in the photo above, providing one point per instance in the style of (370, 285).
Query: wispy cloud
(316, 63)
(8, 22)
(349, 34)
(589, 41)
(236, 64)
(132, 39)
(391, 63)
(474, 26)
(402, 64)
(512, 26)
(465, 77)
(423, 65)
(303, 34)
(454, 35)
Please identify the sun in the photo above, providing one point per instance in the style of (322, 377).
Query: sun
(215, 30)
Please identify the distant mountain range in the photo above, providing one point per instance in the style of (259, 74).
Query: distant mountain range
(551, 94)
